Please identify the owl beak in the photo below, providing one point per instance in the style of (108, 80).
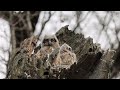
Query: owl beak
(50, 43)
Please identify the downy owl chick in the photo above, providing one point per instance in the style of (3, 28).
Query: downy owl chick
(49, 43)
(65, 58)
(29, 44)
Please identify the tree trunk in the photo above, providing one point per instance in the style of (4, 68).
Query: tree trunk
(92, 61)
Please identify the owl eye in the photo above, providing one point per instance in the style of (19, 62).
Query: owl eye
(70, 49)
(45, 40)
(53, 40)
(34, 44)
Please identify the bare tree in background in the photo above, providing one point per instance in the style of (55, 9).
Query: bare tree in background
(22, 25)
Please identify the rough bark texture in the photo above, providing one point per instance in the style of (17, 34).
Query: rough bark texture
(92, 62)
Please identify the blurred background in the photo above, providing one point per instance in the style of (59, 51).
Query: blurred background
(15, 26)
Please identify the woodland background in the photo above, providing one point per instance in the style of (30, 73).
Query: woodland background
(15, 26)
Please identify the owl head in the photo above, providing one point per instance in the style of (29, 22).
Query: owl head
(29, 44)
(50, 41)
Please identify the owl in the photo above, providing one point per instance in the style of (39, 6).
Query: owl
(64, 58)
(68, 57)
(49, 43)
(29, 44)
(22, 54)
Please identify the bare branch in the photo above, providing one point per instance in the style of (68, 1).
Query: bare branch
(79, 20)
(29, 23)
(44, 23)
(104, 26)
